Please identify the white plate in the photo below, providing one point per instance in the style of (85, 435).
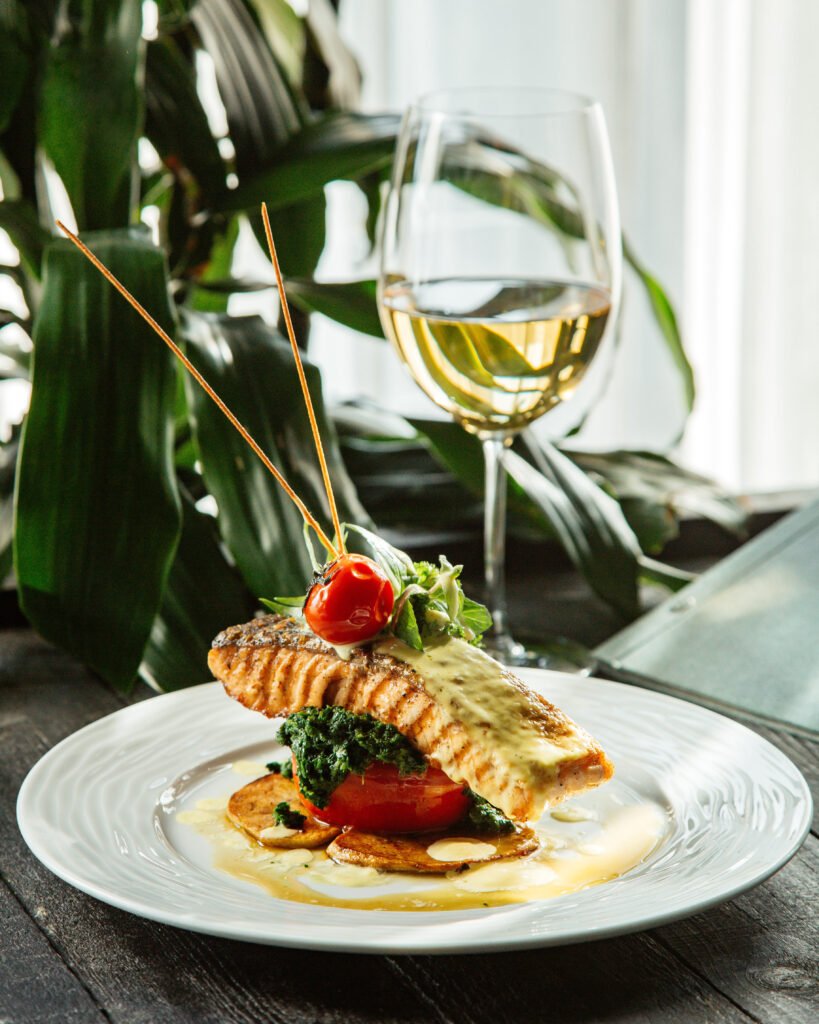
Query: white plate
(99, 810)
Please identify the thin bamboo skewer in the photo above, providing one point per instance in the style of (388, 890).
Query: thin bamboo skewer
(180, 355)
(308, 401)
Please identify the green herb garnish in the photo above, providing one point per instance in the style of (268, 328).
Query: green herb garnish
(283, 814)
(329, 743)
(283, 768)
(486, 817)
(429, 599)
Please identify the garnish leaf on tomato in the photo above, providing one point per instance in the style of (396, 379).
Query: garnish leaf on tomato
(476, 616)
(397, 564)
(329, 743)
(406, 627)
(284, 605)
(429, 599)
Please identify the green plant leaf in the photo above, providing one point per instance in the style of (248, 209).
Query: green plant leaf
(19, 219)
(252, 369)
(97, 511)
(174, 14)
(204, 594)
(15, 350)
(90, 113)
(207, 293)
(667, 322)
(299, 232)
(8, 467)
(332, 77)
(588, 522)
(351, 303)
(285, 34)
(262, 110)
(338, 146)
(654, 492)
(15, 58)
(666, 576)
(175, 121)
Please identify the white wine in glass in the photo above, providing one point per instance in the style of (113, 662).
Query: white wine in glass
(500, 271)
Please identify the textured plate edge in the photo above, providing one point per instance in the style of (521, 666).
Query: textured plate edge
(378, 945)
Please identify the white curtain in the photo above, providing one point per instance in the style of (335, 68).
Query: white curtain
(712, 110)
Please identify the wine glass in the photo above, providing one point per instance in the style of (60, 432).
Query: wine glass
(500, 273)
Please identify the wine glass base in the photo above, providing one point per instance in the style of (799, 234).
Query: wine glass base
(550, 652)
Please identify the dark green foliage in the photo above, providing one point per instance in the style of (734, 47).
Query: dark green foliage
(97, 509)
(108, 446)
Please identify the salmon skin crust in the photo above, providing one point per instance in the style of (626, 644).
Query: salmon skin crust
(273, 665)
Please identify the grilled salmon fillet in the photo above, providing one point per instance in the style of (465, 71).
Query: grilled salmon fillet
(467, 714)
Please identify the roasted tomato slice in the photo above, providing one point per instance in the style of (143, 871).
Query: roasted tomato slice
(351, 601)
(382, 800)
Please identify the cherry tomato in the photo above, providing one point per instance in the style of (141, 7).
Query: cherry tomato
(350, 602)
(382, 800)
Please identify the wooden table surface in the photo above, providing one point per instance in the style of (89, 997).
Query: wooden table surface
(64, 957)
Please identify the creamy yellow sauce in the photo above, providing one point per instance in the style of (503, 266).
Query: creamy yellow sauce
(562, 865)
(252, 768)
(460, 849)
(496, 710)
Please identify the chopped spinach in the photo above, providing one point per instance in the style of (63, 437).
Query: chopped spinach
(486, 817)
(283, 814)
(283, 768)
(329, 743)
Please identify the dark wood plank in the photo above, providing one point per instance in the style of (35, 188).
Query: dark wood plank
(761, 950)
(36, 987)
(140, 971)
(50, 689)
(746, 961)
(629, 980)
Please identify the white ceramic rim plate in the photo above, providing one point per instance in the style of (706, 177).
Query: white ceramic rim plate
(93, 811)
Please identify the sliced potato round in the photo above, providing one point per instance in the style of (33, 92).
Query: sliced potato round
(251, 809)
(411, 853)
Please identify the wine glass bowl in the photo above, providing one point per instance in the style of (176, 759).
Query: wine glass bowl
(500, 274)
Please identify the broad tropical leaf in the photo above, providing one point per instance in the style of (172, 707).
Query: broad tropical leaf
(339, 146)
(15, 58)
(204, 594)
(8, 465)
(252, 369)
(299, 232)
(351, 303)
(90, 114)
(588, 522)
(19, 218)
(97, 510)
(262, 110)
(667, 322)
(175, 120)
(654, 492)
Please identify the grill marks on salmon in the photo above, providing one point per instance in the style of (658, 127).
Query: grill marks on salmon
(272, 666)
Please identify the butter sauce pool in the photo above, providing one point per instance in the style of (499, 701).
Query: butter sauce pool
(574, 859)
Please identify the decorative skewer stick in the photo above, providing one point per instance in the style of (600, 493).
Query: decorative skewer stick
(308, 401)
(180, 355)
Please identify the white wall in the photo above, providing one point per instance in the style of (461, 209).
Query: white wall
(712, 107)
(630, 55)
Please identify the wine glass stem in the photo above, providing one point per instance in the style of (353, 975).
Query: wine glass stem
(495, 539)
